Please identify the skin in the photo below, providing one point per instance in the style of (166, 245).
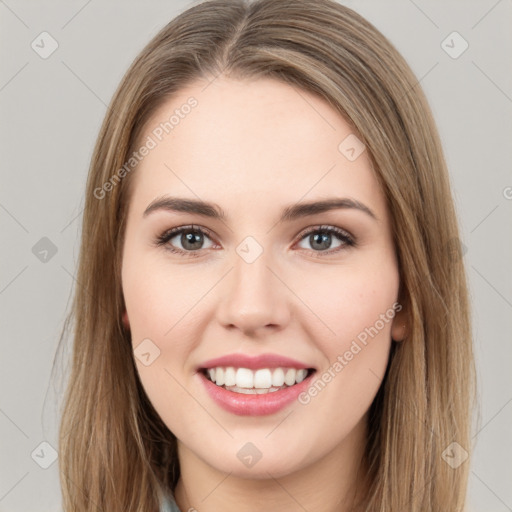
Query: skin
(254, 147)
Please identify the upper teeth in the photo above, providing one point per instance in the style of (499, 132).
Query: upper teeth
(262, 378)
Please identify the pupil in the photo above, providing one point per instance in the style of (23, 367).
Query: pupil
(323, 239)
(189, 238)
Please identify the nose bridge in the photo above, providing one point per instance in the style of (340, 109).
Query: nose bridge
(253, 297)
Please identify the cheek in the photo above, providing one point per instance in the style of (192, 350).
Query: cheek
(160, 307)
(356, 310)
(350, 300)
(159, 298)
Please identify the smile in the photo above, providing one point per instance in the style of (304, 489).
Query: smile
(255, 401)
(260, 381)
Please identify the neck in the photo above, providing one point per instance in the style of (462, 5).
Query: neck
(335, 482)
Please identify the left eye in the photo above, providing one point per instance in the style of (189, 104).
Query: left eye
(321, 238)
(192, 239)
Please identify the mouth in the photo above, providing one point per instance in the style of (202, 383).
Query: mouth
(255, 381)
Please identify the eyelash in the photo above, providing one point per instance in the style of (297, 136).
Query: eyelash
(163, 239)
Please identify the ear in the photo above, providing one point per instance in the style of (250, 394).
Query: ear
(400, 324)
(126, 322)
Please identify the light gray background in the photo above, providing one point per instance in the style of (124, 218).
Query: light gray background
(51, 110)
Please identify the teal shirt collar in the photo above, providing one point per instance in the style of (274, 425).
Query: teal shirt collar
(169, 505)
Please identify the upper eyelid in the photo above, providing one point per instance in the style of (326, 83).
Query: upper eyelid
(325, 227)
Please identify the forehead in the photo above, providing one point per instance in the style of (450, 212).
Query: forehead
(247, 143)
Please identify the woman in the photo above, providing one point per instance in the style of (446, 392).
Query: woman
(271, 314)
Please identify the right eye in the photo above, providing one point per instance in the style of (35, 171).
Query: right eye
(191, 239)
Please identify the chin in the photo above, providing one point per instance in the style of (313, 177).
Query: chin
(258, 460)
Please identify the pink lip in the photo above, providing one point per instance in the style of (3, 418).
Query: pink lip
(254, 363)
(254, 405)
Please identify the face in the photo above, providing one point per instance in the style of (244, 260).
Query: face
(316, 285)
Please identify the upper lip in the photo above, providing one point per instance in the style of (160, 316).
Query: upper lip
(253, 362)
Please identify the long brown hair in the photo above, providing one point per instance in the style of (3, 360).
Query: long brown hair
(116, 454)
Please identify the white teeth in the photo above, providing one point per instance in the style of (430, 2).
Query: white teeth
(229, 377)
(278, 377)
(252, 391)
(244, 378)
(261, 380)
(301, 375)
(289, 377)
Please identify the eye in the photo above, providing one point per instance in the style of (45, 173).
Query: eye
(190, 238)
(320, 239)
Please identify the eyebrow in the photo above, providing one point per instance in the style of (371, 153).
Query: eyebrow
(290, 213)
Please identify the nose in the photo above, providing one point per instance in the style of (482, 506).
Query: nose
(254, 298)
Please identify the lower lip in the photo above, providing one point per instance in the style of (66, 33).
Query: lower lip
(254, 405)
